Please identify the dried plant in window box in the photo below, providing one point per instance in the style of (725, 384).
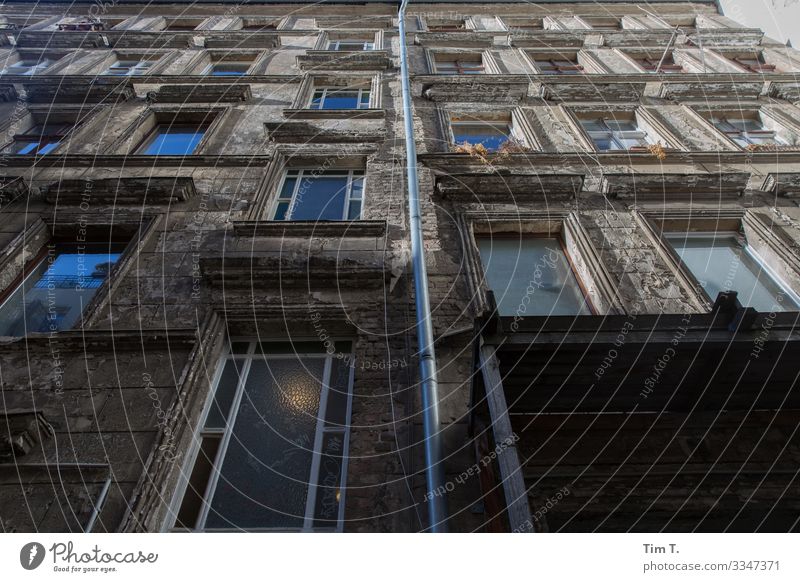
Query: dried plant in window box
(512, 146)
(658, 151)
(478, 151)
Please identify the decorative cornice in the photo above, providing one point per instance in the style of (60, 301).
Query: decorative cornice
(100, 341)
(139, 191)
(658, 185)
(304, 272)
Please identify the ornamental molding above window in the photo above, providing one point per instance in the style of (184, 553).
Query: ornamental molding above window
(318, 272)
(676, 186)
(133, 191)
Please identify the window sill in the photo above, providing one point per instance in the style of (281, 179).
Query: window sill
(133, 191)
(335, 113)
(352, 60)
(311, 228)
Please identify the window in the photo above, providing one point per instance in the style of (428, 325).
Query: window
(615, 134)
(28, 67)
(228, 69)
(558, 66)
(491, 134)
(746, 130)
(273, 443)
(351, 45)
(128, 68)
(53, 295)
(40, 139)
(463, 65)
(754, 63)
(666, 64)
(724, 261)
(340, 98)
(172, 140)
(314, 195)
(531, 275)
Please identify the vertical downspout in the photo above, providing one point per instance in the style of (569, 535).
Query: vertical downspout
(434, 465)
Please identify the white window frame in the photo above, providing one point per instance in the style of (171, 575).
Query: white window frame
(615, 136)
(367, 45)
(227, 431)
(135, 68)
(300, 173)
(30, 70)
(733, 133)
(325, 90)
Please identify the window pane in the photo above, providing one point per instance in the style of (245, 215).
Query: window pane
(174, 141)
(228, 69)
(196, 488)
(720, 263)
(336, 406)
(490, 135)
(320, 198)
(326, 510)
(223, 395)
(264, 477)
(53, 296)
(531, 276)
(605, 143)
(341, 100)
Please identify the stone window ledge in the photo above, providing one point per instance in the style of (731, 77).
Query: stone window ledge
(657, 185)
(354, 61)
(308, 133)
(317, 271)
(335, 113)
(135, 191)
(311, 228)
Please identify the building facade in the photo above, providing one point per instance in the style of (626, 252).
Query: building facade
(207, 318)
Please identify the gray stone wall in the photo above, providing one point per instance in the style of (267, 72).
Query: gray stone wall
(155, 334)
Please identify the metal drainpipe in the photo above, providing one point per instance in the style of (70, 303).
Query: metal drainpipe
(434, 465)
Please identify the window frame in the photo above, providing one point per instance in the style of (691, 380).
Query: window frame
(771, 239)
(226, 433)
(32, 70)
(734, 134)
(54, 139)
(325, 89)
(601, 290)
(31, 244)
(292, 199)
(558, 236)
(615, 136)
(744, 246)
(31, 267)
(551, 68)
(334, 45)
(459, 69)
(132, 70)
(151, 136)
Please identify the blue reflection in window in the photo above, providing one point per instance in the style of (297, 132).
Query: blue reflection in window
(174, 140)
(53, 296)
